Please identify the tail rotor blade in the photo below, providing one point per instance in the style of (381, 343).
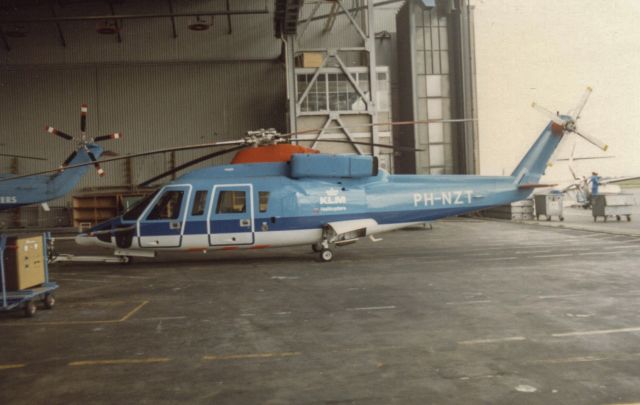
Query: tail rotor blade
(597, 142)
(573, 150)
(57, 132)
(575, 113)
(115, 135)
(70, 158)
(552, 116)
(97, 165)
(83, 117)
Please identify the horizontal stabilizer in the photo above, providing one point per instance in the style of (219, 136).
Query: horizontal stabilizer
(534, 185)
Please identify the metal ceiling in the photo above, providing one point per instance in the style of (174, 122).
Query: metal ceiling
(18, 14)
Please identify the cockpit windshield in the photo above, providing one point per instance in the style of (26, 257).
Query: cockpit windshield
(138, 208)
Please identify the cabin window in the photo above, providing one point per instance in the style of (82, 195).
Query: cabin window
(231, 202)
(138, 208)
(264, 201)
(168, 206)
(199, 202)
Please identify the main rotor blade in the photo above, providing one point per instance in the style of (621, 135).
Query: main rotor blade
(115, 135)
(134, 155)
(57, 132)
(575, 113)
(190, 163)
(83, 118)
(552, 116)
(597, 142)
(381, 145)
(379, 124)
(588, 158)
(22, 156)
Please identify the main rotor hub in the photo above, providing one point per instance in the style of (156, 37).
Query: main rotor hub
(262, 137)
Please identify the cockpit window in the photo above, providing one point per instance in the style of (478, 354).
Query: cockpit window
(168, 206)
(138, 208)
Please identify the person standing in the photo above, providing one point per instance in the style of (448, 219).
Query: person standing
(595, 183)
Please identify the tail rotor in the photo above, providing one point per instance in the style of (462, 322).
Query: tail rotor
(568, 123)
(83, 141)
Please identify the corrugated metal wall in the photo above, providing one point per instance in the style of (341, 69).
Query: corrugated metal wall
(153, 105)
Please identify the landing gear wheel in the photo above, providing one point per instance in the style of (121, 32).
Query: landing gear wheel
(30, 309)
(49, 301)
(326, 255)
(317, 247)
(126, 260)
(561, 219)
(618, 218)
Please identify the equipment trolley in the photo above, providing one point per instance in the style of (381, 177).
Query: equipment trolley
(612, 205)
(549, 205)
(28, 297)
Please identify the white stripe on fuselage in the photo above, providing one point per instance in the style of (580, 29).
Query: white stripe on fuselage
(262, 239)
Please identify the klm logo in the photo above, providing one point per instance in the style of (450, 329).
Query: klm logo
(8, 199)
(333, 197)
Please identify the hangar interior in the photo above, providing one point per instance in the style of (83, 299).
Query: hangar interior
(178, 73)
(441, 309)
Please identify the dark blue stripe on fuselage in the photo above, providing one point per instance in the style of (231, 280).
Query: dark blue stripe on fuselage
(308, 222)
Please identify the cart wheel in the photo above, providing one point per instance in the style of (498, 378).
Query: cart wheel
(617, 217)
(326, 255)
(628, 218)
(317, 247)
(49, 301)
(30, 309)
(561, 218)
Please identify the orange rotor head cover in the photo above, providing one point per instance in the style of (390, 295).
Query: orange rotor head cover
(270, 153)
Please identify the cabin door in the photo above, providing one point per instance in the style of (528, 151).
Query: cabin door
(163, 222)
(230, 220)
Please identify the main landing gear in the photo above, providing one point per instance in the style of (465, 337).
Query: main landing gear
(324, 250)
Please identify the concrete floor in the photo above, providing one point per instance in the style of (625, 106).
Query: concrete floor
(472, 311)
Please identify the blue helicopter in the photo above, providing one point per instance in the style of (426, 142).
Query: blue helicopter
(17, 191)
(276, 194)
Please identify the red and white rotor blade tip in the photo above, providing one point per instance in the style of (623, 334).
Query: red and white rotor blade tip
(96, 164)
(115, 135)
(57, 132)
(83, 117)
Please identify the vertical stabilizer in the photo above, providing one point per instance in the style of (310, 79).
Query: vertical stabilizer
(532, 166)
